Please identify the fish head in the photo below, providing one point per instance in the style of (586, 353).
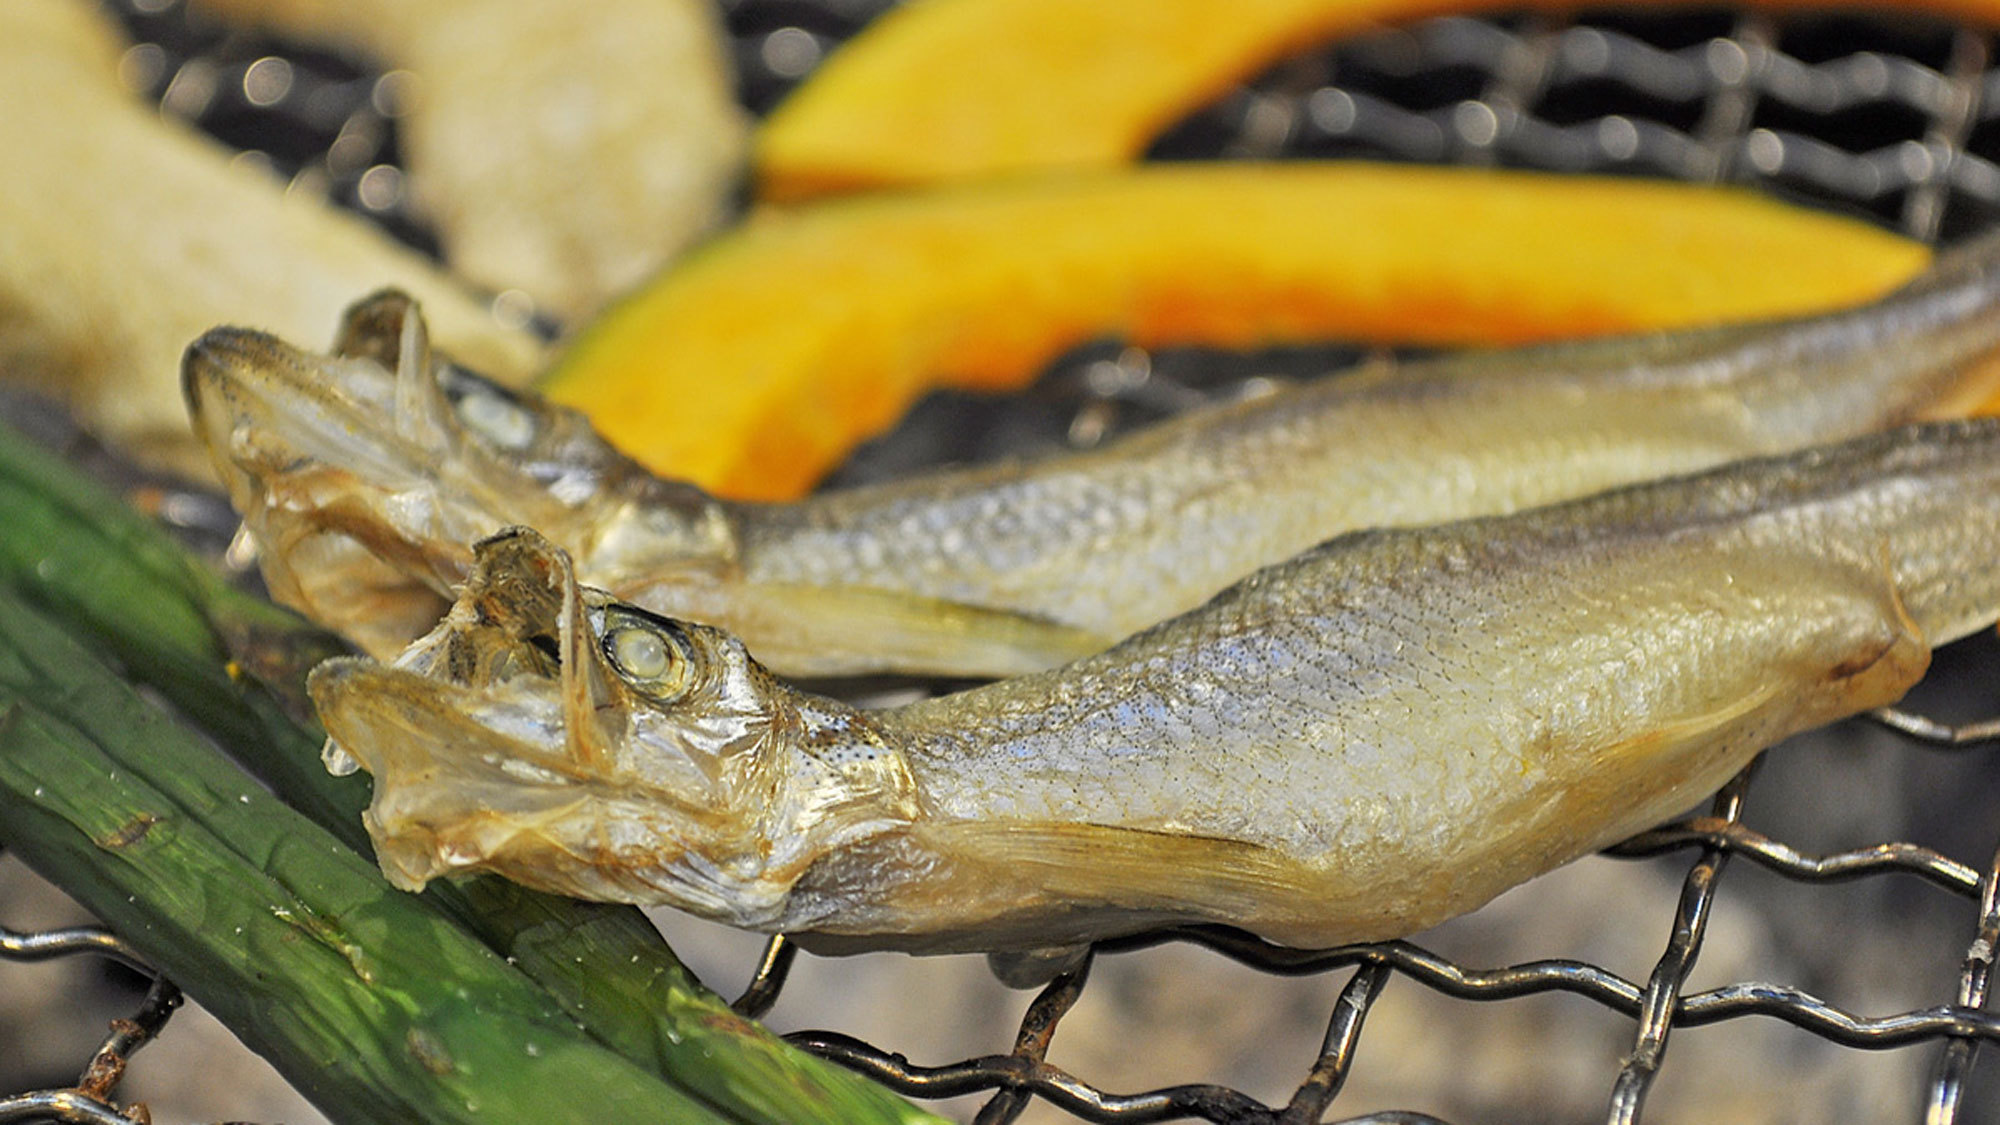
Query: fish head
(363, 474)
(549, 733)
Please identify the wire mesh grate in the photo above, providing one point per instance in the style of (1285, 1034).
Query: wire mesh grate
(1896, 121)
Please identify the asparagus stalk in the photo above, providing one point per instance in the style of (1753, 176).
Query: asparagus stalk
(375, 1006)
(78, 553)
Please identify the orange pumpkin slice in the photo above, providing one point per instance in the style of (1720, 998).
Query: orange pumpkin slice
(756, 363)
(954, 89)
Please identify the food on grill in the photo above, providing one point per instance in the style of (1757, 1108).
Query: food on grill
(566, 148)
(1383, 732)
(935, 91)
(366, 475)
(123, 236)
(753, 366)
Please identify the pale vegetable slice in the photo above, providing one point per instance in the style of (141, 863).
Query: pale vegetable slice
(566, 148)
(956, 89)
(124, 236)
(752, 367)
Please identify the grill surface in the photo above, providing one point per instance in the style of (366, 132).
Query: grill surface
(1898, 122)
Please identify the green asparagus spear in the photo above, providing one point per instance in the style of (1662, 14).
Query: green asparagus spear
(376, 1007)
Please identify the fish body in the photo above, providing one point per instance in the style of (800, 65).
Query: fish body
(366, 477)
(1380, 733)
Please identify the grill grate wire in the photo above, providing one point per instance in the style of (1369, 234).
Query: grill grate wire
(1904, 129)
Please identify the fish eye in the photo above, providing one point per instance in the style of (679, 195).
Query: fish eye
(652, 660)
(640, 652)
(496, 419)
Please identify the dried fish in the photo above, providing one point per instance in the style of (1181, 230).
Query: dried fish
(366, 474)
(1381, 733)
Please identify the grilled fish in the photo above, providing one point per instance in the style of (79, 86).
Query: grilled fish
(1385, 731)
(366, 474)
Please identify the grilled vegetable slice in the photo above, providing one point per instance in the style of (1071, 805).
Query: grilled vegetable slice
(124, 235)
(937, 91)
(753, 366)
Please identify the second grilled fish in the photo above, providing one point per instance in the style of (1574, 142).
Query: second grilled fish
(367, 473)
(1385, 731)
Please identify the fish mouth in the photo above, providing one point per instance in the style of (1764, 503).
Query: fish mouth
(516, 657)
(454, 786)
(341, 466)
(263, 407)
(495, 741)
(380, 406)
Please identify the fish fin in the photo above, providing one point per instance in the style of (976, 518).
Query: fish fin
(803, 630)
(1974, 392)
(372, 328)
(1033, 968)
(1881, 652)
(1882, 674)
(1047, 884)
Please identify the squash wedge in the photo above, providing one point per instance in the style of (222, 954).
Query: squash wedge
(939, 90)
(757, 362)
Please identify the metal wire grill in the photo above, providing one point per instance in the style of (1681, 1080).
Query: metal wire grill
(1899, 121)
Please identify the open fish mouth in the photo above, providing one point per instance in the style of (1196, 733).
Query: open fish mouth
(463, 733)
(264, 406)
(357, 472)
(339, 499)
(497, 741)
(393, 416)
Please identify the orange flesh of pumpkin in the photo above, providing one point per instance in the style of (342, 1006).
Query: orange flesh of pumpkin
(940, 90)
(753, 366)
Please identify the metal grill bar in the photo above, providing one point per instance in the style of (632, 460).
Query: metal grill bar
(1951, 124)
(68, 1106)
(1955, 1062)
(1336, 1052)
(1936, 734)
(1038, 1028)
(1724, 835)
(1208, 1102)
(772, 969)
(1219, 1104)
(89, 1101)
(1794, 1006)
(1730, 76)
(1663, 990)
(19, 946)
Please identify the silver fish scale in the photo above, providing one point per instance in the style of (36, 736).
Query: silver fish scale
(1898, 120)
